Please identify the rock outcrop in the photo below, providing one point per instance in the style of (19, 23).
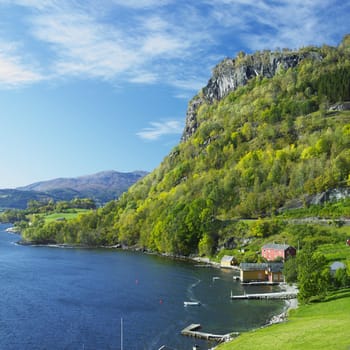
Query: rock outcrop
(233, 73)
(344, 106)
(331, 195)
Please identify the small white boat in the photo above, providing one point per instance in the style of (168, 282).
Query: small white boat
(215, 278)
(191, 303)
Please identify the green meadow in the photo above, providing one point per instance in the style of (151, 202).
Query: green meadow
(67, 215)
(323, 325)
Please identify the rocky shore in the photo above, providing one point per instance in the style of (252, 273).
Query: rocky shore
(290, 304)
(282, 317)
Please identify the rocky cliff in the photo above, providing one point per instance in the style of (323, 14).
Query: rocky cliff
(233, 73)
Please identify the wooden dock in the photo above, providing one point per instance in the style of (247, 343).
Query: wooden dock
(260, 283)
(278, 295)
(192, 331)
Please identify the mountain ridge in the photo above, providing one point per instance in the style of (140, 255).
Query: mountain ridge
(102, 178)
(102, 187)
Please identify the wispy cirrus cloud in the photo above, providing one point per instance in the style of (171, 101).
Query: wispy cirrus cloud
(264, 24)
(142, 3)
(159, 129)
(83, 46)
(163, 41)
(14, 71)
(123, 50)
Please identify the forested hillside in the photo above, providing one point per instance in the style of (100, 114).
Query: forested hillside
(269, 140)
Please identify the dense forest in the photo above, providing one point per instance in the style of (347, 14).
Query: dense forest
(266, 145)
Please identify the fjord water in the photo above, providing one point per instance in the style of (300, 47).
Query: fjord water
(52, 298)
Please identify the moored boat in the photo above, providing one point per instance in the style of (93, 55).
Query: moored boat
(191, 303)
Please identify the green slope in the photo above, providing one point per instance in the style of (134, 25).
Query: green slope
(320, 326)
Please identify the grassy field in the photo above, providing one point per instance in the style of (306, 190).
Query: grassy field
(318, 326)
(333, 252)
(66, 215)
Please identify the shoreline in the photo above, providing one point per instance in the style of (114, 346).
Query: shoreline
(202, 262)
(276, 319)
(290, 304)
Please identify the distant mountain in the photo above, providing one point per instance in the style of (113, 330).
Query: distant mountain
(102, 187)
(16, 199)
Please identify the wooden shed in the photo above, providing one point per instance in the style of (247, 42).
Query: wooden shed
(250, 272)
(228, 261)
(275, 272)
(263, 272)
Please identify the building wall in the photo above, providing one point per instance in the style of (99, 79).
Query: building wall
(276, 277)
(272, 254)
(226, 264)
(257, 275)
(228, 261)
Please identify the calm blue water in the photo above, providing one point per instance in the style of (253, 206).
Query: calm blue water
(52, 298)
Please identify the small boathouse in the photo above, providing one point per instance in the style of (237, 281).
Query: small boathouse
(261, 272)
(228, 261)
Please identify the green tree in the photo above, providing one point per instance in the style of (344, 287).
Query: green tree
(206, 245)
(313, 274)
(341, 279)
(290, 270)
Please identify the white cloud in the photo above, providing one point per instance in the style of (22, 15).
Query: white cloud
(159, 129)
(143, 78)
(83, 46)
(151, 41)
(154, 24)
(13, 71)
(263, 24)
(193, 84)
(140, 4)
(162, 44)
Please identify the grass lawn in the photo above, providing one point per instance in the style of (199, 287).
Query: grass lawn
(318, 326)
(339, 251)
(333, 252)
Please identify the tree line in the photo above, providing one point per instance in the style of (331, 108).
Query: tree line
(311, 271)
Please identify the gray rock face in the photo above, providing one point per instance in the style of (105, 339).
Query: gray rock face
(345, 106)
(233, 73)
(191, 117)
(338, 194)
(333, 195)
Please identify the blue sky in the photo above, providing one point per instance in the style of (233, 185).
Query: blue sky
(93, 85)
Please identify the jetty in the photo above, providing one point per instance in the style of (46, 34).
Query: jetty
(193, 331)
(278, 295)
(260, 283)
